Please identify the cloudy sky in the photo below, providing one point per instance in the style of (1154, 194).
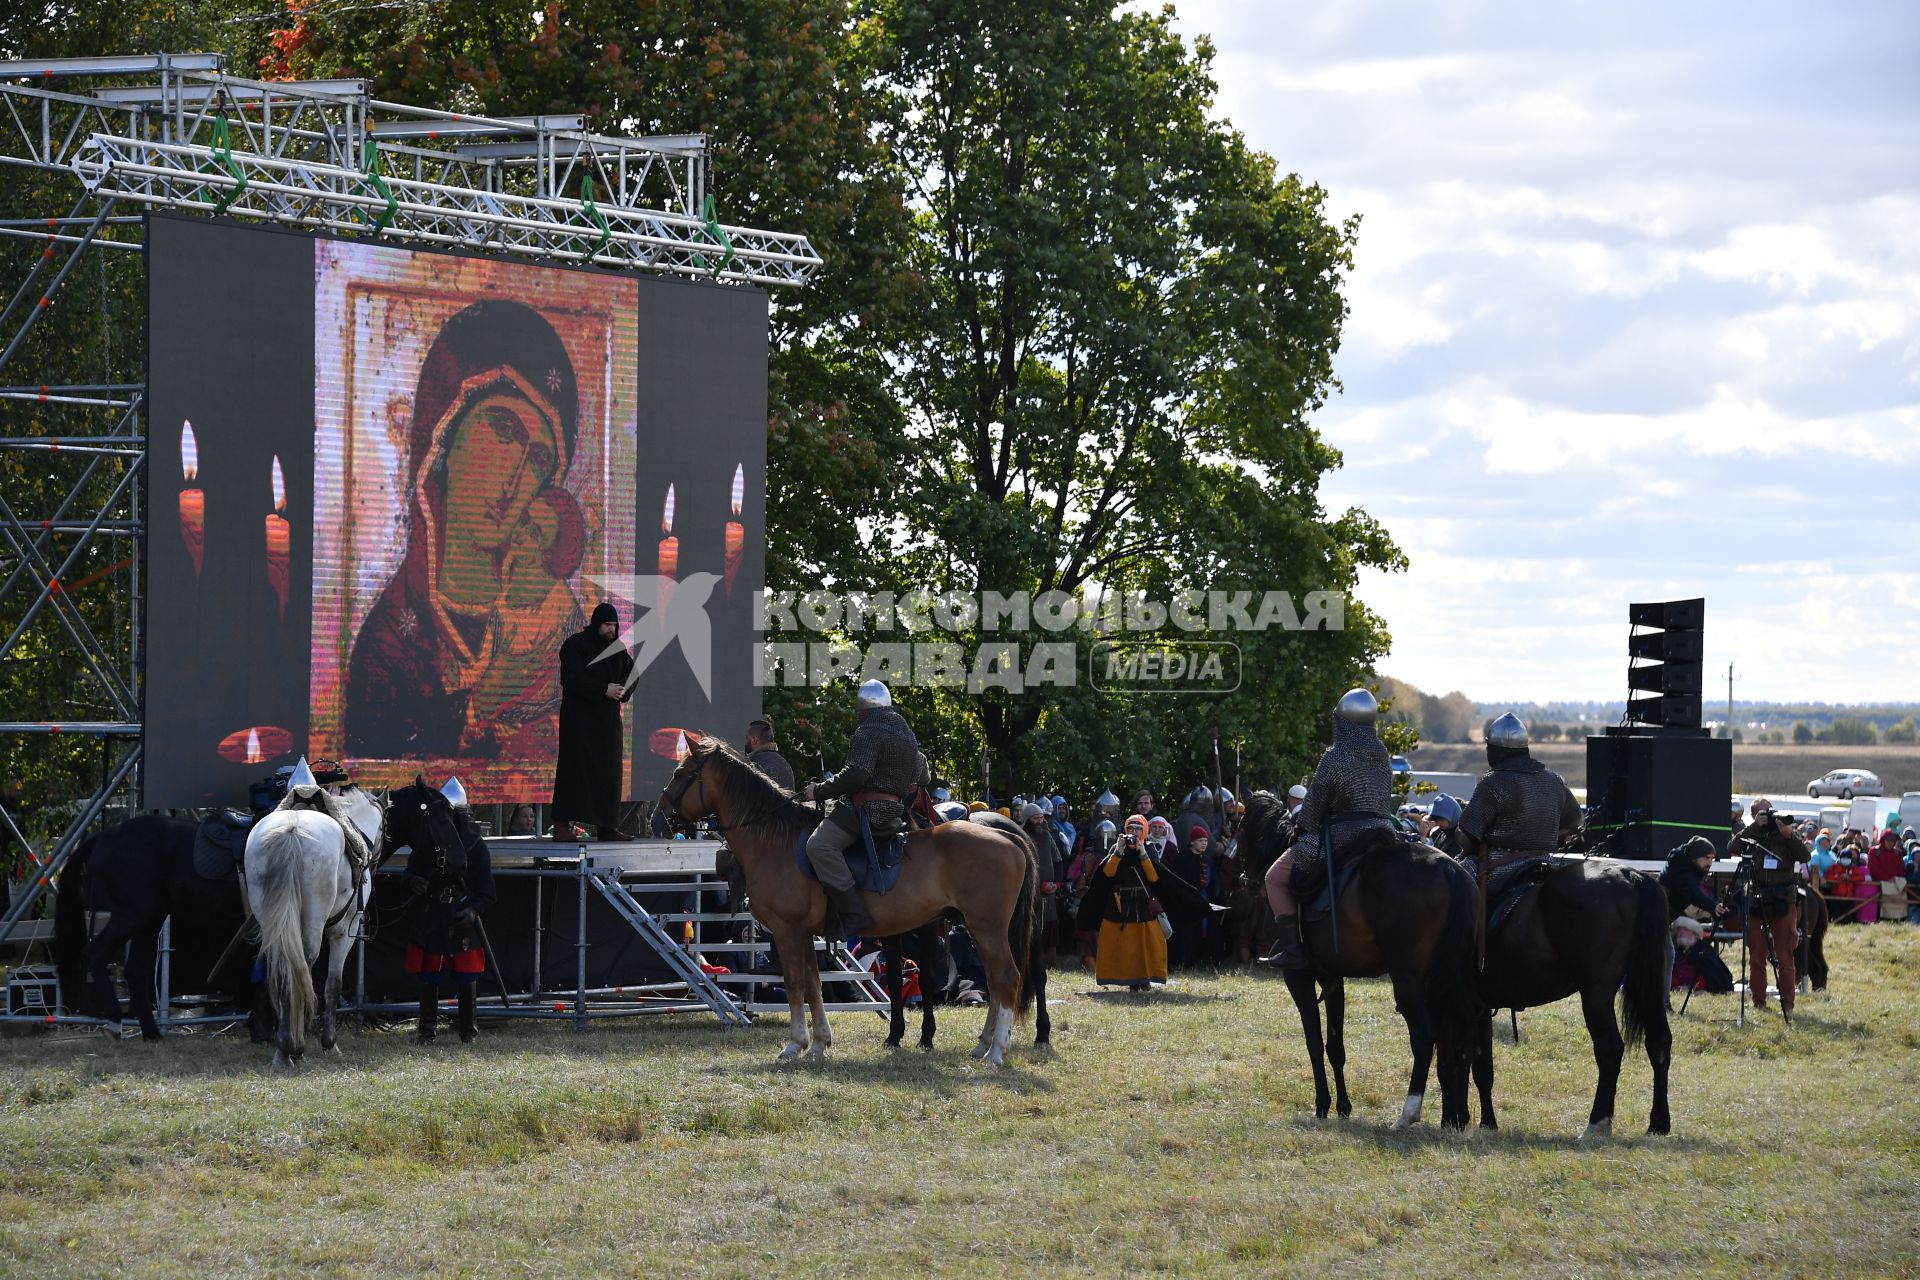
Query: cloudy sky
(1635, 316)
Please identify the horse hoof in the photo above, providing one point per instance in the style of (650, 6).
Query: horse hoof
(926, 1046)
(979, 1051)
(1402, 1122)
(789, 1054)
(1597, 1130)
(817, 1054)
(893, 1046)
(1043, 1049)
(996, 1057)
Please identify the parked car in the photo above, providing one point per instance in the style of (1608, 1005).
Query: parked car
(1845, 783)
(1910, 809)
(1402, 765)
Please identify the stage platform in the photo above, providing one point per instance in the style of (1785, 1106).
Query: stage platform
(582, 930)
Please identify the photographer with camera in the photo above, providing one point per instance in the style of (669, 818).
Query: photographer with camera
(1692, 909)
(1773, 855)
(1120, 904)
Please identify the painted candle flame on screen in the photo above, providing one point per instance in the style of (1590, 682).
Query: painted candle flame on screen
(278, 537)
(193, 500)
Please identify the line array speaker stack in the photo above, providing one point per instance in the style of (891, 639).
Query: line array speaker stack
(1660, 778)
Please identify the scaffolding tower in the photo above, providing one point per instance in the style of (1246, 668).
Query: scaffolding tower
(176, 132)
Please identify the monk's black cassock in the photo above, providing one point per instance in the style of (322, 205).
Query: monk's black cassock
(586, 781)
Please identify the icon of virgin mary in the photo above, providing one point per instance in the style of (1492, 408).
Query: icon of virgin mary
(453, 656)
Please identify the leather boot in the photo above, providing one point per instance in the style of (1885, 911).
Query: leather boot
(429, 1013)
(1287, 953)
(468, 1031)
(852, 910)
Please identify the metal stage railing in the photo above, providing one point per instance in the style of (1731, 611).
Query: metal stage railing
(617, 874)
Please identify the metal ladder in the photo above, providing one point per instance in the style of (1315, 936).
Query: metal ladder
(699, 984)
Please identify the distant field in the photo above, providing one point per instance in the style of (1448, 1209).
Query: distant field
(1755, 768)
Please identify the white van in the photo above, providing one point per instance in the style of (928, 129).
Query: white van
(1910, 809)
(1863, 814)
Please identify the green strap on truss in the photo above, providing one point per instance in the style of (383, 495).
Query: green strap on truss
(711, 212)
(223, 152)
(599, 219)
(370, 176)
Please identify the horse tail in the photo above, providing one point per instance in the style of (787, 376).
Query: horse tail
(70, 920)
(1452, 988)
(1023, 930)
(1644, 995)
(275, 882)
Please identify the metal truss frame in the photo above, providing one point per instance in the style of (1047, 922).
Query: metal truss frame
(175, 132)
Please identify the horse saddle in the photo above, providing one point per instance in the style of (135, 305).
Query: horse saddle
(1509, 883)
(1320, 905)
(874, 861)
(219, 844)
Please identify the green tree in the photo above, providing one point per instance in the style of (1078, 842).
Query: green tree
(1130, 316)
(1849, 731)
(1802, 733)
(1903, 733)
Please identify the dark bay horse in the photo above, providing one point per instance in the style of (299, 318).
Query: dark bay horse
(977, 870)
(1408, 914)
(1591, 928)
(931, 948)
(140, 873)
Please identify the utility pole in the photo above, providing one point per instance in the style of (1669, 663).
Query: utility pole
(1729, 702)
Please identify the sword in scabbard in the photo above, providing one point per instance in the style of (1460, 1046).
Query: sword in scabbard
(1480, 874)
(493, 961)
(1333, 883)
(226, 956)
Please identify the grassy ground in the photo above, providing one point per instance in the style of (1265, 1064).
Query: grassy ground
(1171, 1134)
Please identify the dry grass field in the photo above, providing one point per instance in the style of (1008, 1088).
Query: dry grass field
(1769, 770)
(1171, 1134)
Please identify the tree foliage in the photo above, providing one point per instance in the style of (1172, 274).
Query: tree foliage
(1070, 335)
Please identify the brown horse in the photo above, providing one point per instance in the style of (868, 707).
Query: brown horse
(987, 876)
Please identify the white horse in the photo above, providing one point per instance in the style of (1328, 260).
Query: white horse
(308, 872)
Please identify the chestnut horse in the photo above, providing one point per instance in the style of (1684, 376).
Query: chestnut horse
(989, 877)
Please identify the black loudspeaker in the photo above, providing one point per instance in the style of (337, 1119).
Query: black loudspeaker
(1648, 790)
(1667, 642)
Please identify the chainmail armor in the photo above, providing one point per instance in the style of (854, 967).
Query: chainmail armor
(1351, 793)
(1520, 806)
(883, 746)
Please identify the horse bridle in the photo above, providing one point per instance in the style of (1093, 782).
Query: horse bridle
(675, 792)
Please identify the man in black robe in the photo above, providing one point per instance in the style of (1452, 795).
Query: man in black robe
(593, 683)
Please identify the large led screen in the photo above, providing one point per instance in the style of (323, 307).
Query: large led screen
(386, 485)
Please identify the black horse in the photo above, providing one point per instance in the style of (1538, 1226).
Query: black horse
(1812, 957)
(140, 873)
(1408, 913)
(1591, 928)
(931, 950)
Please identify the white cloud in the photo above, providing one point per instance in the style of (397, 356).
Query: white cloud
(1635, 314)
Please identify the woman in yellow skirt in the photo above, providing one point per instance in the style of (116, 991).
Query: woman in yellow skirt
(1132, 950)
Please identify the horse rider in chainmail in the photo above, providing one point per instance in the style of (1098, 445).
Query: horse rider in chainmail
(1351, 793)
(884, 764)
(1519, 809)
